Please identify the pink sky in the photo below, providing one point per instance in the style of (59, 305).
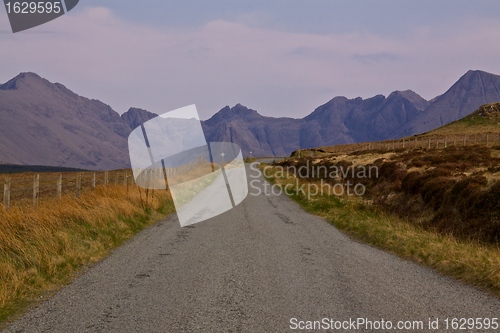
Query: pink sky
(126, 63)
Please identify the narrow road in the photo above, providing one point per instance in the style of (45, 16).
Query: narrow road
(251, 269)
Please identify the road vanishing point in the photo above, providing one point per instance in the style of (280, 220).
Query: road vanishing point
(265, 266)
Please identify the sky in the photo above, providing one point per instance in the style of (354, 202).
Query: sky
(282, 58)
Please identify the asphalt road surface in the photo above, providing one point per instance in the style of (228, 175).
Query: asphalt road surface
(262, 267)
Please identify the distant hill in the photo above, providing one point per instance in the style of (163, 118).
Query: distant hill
(339, 121)
(484, 120)
(344, 121)
(263, 136)
(481, 124)
(44, 123)
(12, 168)
(472, 90)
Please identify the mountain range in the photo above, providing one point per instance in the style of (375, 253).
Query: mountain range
(342, 120)
(44, 123)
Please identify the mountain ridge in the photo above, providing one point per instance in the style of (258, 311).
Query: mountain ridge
(460, 100)
(85, 133)
(76, 131)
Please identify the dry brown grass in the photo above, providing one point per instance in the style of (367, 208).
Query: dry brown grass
(41, 249)
(470, 261)
(451, 191)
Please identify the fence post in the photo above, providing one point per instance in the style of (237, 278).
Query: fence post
(59, 187)
(93, 180)
(445, 141)
(6, 194)
(78, 179)
(36, 190)
(429, 143)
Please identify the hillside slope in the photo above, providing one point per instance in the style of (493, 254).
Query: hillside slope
(44, 123)
(472, 90)
(484, 120)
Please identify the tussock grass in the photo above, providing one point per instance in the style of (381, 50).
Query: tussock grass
(470, 261)
(42, 249)
(456, 191)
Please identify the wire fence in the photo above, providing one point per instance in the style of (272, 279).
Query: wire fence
(30, 188)
(417, 142)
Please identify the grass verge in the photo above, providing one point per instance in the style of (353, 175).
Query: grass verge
(472, 262)
(43, 249)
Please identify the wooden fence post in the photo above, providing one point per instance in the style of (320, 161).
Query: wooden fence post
(6, 194)
(78, 185)
(126, 180)
(429, 147)
(36, 190)
(59, 187)
(93, 180)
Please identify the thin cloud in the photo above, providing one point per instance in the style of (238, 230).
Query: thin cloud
(280, 73)
(379, 57)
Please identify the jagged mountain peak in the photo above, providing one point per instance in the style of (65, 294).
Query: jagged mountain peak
(135, 117)
(399, 96)
(478, 80)
(232, 113)
(408, 94)
(239, 110)
(472, 90)
(45, 123)
(23, 79)
(33, 83)
(474, 72)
